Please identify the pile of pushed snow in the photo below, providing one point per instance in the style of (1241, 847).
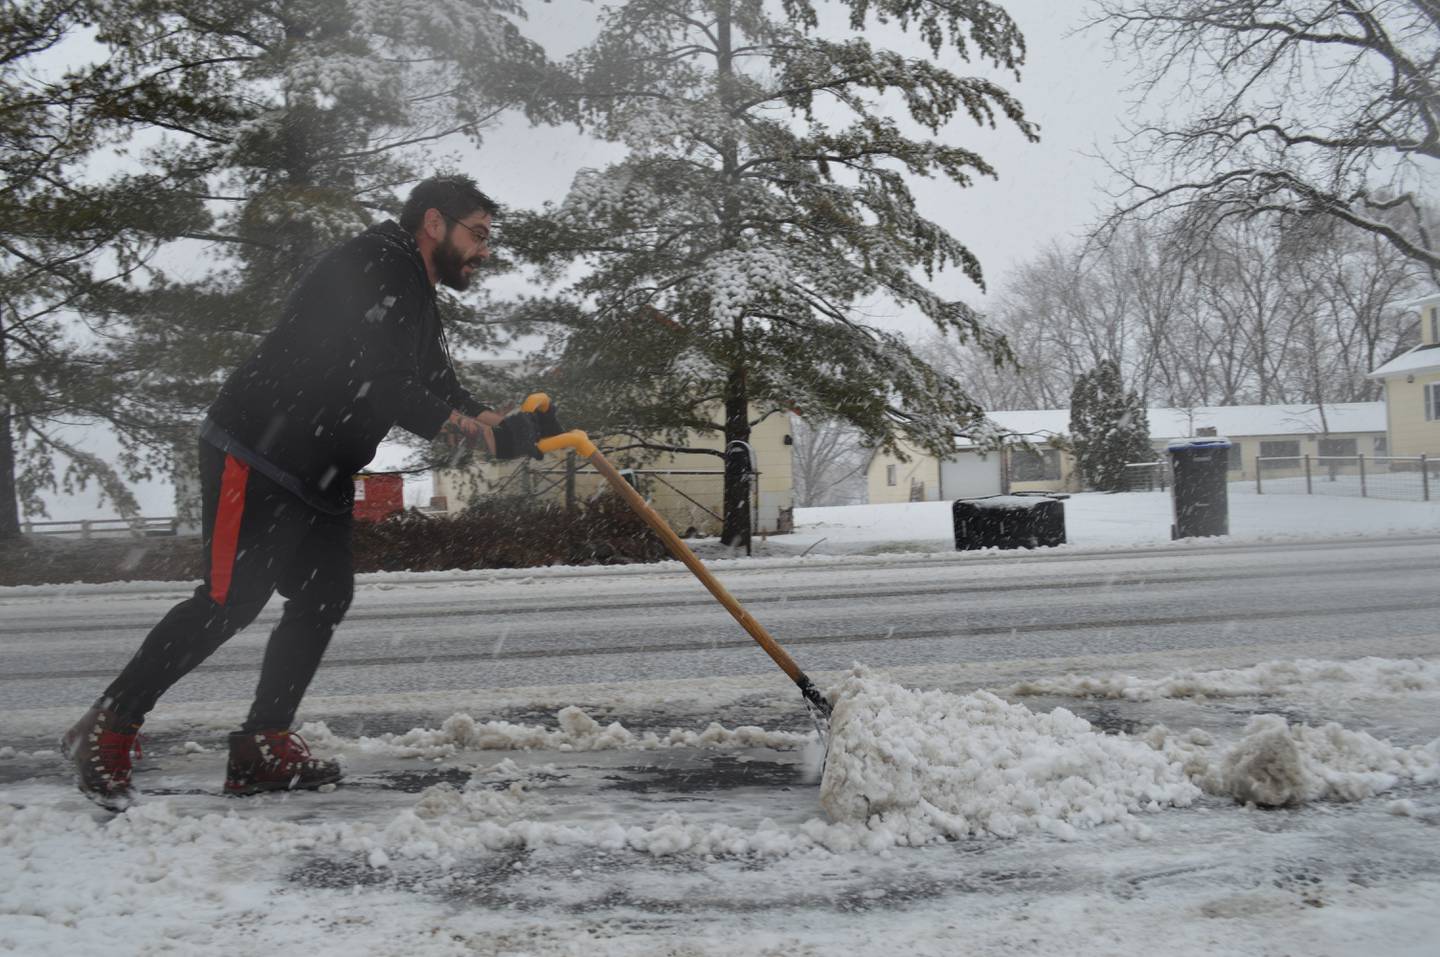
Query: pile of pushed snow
(928, 764)
(1363, 676)
(575, 731)
(1276, 764)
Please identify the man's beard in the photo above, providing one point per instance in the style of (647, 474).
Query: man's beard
(450, 266)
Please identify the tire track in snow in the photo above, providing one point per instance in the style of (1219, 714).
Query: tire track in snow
(53, 625)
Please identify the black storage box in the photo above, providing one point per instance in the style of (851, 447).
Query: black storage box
(1009, 521)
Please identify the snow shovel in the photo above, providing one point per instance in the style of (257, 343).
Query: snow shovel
(575, 439)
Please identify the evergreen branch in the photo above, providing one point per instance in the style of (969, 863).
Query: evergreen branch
(467, 128)
(222, 238)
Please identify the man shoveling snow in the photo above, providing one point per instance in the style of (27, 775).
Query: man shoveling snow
(359, 349)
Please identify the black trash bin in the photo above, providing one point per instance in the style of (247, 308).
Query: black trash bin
(1009, 521)
(1202, 506)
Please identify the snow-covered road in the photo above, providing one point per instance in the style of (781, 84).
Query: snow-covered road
(492, 630)
(552, 834)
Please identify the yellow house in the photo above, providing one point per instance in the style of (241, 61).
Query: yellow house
(1412, 387)
(889, 480)
(687, 488)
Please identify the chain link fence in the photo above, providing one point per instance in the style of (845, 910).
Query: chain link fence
(1404, 478)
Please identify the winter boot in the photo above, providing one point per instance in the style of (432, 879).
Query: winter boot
(275, 761)
(100, 744)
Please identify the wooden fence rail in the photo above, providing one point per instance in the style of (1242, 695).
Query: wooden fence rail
(95, 527)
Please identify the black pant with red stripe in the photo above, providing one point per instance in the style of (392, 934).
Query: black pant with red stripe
(259, 538)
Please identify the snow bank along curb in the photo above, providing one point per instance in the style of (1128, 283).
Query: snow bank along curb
(1363, 676)
(577, 731)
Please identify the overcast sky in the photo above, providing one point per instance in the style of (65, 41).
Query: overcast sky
(1046, 190)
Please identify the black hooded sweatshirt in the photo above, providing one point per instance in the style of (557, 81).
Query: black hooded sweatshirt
(358, 349)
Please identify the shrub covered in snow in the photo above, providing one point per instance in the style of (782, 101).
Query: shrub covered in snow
(495, 533)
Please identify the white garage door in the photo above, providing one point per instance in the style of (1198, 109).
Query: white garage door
(970, 475)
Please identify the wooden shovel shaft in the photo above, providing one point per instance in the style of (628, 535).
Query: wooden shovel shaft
(680, 550)
(579, 442)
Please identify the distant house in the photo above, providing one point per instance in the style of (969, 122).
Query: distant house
(1035, 459)
(1412, 387)
(687, 488)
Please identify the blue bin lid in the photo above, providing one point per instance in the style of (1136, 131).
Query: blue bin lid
(1199, 442)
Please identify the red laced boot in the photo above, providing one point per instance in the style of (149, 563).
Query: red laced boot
(275, 761)
(100, 745)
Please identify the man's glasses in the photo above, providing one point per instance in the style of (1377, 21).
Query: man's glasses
(483, 238)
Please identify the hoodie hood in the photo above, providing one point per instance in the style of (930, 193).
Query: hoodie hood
(396, 241)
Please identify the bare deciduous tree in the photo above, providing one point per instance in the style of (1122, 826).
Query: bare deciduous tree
(1243, 313)
(1300, 109)
(1252, 288)
(1356, 326)
(828, 461)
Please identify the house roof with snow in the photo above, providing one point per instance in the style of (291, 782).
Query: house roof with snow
(1234, 421)
(1422, 358)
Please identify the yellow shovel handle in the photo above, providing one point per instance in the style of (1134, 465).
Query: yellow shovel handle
(574, 439)
(580, 442)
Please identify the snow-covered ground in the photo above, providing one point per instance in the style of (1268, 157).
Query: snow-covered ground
(1278, 795)
(1095, 519)
(1015, 829)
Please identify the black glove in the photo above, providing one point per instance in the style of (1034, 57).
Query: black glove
(516, 435)
(548, 423)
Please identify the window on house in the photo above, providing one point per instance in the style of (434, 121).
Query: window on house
(1435, 323)
(1280, 448)
(1338, 448)
(1237, 456)
(1032, 465)
(1432, 402)
(889, 475)
(1382, 445)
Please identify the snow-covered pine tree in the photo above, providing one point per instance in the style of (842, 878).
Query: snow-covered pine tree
(67, 236)
(1132, 439)
(1109, 427)
(764, 202)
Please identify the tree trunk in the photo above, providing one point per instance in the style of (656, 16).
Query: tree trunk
(736, 527)
(9, 503)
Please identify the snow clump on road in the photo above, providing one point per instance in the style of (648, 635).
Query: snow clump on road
(1277, 764)
(930, 764)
